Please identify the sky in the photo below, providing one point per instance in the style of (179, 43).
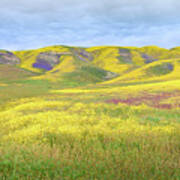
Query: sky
(38, 23)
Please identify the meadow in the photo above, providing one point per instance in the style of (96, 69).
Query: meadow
(83, 133)
(122, 129)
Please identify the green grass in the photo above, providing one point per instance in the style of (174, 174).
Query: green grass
(137, 157)
(161, 69)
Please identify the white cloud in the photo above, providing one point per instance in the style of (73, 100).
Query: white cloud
(36, 23)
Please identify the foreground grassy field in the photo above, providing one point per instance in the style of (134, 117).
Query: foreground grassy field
(93, 132)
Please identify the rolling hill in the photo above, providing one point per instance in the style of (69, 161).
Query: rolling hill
(82, 66)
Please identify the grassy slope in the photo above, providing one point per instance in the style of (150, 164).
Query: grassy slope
(70, 69)
(156, 71)
(109, 59)
(10, 73)
(28, 57)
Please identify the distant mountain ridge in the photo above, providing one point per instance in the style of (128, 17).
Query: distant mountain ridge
(92, 65)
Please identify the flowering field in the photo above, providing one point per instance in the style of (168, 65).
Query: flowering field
(95, 132)
(99, 113)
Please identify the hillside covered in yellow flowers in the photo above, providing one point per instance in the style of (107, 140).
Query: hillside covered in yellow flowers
(100, 63)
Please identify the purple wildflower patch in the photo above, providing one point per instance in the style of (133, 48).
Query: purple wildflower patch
(148, 99)
(83, 54)
(41, 64)
(170, 66)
